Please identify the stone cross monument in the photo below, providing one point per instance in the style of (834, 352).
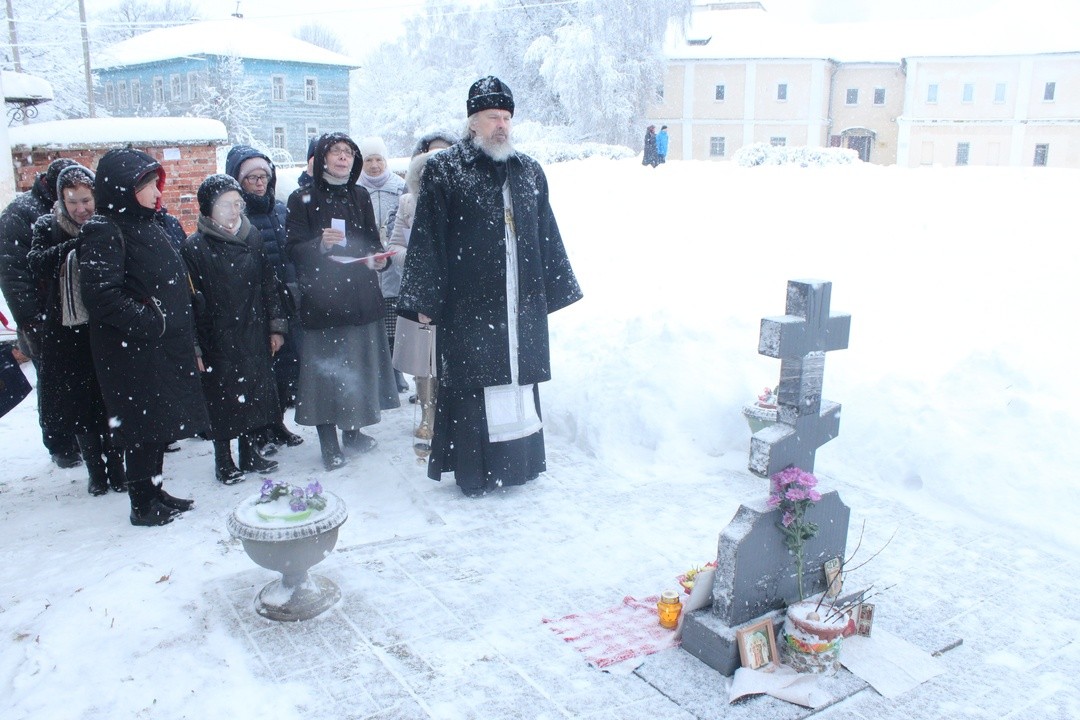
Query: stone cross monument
(800, 340)
(755, 574)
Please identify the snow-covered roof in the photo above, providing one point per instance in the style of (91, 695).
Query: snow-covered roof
(112, 131)
(750, 33)
(24, 86)
(229, 36)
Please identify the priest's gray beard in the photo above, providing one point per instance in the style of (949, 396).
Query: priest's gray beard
(498, 148)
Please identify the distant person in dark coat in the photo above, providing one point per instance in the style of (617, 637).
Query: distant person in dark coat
(240, 325)
(69, 398)
(305, 177)
(345, 372)
(486, 264)
(258, 185)
(650, 157)
(23, 295)
(142, 333)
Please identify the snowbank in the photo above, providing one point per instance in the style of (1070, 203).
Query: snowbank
(765, 154)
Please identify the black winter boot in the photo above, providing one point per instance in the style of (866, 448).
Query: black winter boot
(265, 442)
(356, 442)
(332, 456)
(90, 447)
(225, 469)
(146, 509)
(251, 460)
(173, 503)
(282, 435)
(114, 468)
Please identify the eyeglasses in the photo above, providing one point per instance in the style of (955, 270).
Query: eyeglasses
(341, 151)
(238, 205)
(259, 179)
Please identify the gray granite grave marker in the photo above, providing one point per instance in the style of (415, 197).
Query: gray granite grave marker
(800, 340)
(755, 575)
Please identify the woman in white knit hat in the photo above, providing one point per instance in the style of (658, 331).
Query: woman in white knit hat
(385, 189)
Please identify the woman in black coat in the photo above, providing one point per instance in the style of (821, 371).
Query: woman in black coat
(239, 323)
(69, 399)
(345, 372)
(142, 333)
(258, 186)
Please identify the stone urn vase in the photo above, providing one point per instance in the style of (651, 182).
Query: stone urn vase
(763, 412)
(290, 542)
(811, 637)
(759, 417)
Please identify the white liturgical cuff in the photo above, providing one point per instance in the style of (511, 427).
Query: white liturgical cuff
(511, 412)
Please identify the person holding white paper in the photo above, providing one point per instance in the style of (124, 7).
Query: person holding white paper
(486, 264)
(345, 374)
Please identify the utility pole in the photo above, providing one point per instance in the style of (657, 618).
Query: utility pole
(13, 36)
(85, 55)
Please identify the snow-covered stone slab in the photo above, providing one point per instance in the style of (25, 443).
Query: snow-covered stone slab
(703, 692)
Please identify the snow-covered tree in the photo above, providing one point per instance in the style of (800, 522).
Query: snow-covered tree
(320, 35)
(230, 96)
(589, 67)
(49, 45)
(135, 17)
(604, 62)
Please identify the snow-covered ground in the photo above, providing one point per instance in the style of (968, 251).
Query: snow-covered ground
(960, 412)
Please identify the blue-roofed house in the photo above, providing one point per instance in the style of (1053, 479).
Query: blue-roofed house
(298, 90)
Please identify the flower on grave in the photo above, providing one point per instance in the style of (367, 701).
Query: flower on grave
(794, 491)
(767, 398)
(300, 498)
(688, 578)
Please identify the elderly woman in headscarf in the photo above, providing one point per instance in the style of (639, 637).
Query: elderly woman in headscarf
(240, 324)
(332, 236)
(142, 332)
(69, 398)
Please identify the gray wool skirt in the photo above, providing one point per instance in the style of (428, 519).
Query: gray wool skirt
(345, 377)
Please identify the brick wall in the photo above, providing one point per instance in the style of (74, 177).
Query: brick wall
(182, 177)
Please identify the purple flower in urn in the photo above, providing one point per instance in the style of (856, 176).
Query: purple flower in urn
(300, 498)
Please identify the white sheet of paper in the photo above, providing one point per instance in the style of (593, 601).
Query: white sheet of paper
(339, 224)
(890, 664)
(782, 683)
(345, 259)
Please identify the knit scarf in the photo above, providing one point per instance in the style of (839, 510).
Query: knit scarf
(376, 181)
(64, 220)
